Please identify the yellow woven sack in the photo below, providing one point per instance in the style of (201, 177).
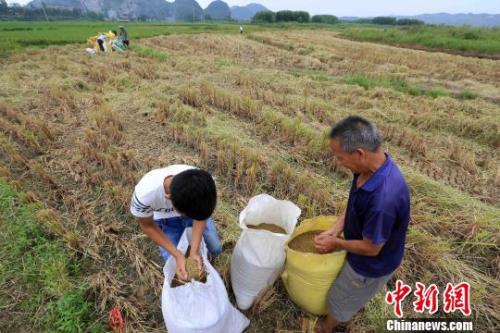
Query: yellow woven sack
(92, 42)
(309, 276)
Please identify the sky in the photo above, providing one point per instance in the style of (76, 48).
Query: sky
(367, 7)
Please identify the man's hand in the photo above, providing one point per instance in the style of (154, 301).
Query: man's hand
(180, 267)
(329, 232)
(327, 242)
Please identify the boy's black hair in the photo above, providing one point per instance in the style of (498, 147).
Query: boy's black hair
(194, 194)
(114, 32)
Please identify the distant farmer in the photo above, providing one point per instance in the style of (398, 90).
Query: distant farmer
(241, 29)
(101, 41)
(123, 36)
(167, 201)
(374, 223)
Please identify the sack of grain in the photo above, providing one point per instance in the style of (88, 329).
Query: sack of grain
(198, 306)
(309, 275)
(259, 255)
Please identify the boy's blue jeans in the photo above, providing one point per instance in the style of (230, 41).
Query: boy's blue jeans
(174, 227)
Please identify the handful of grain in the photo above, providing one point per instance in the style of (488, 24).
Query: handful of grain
(193, 273)
(305, 242)
(192, 269)
(269, 227)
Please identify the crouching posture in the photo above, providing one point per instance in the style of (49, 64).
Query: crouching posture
(374, 223)
(167, 201)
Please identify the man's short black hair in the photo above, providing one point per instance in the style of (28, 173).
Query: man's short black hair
(356, 132)
(194, 194)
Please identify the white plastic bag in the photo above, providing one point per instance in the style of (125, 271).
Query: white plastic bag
(259, 255)
(198, 307)
(90, 52)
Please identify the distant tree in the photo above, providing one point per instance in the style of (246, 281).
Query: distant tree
(264, 17)
(292, 16)
(284, 16)
(363, 21)
(302, 17)
(471, 35)
(94, 16)
(409, 22)
(327, 19)
(76, 12)
(16, 11)
(384, 20)
(4, 8)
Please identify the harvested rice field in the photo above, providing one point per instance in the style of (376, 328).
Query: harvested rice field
(78, 132)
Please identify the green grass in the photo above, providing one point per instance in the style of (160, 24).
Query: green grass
(149, 52)
(466, 94)
(16, 36)
(395, 83)
(42, 290)
(460, 39)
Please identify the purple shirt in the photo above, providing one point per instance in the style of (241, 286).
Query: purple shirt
(380, 211)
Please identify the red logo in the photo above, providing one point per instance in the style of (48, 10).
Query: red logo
(426, 298)
(397, 297)
(455, 297)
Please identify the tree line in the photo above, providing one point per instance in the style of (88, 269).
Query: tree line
(388, 20)
(292, 16)
(304, 17)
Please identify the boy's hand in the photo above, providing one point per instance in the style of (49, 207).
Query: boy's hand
(198, 260)
(180, 267)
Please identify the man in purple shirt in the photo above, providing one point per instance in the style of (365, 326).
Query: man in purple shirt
(374, 223)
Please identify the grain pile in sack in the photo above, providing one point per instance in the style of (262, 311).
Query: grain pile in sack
(308, 275)
(192, 270)
(259, 255)
(198, 307)
(305, 242)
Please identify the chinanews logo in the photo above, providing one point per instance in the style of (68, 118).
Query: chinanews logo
(455, 297)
